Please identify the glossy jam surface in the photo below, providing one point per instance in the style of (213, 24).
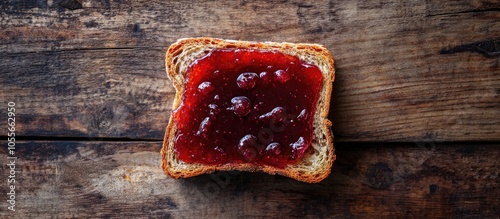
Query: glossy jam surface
(247, 106)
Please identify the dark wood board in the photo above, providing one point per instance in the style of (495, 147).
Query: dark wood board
(72, 179)
(405, 71)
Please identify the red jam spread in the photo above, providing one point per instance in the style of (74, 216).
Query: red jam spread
(247, 106)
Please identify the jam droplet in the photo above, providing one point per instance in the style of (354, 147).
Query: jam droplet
(214, 109)
(206, 87)
(276, 115)
(241, 105)
(265, 77)
(247, 147)
(273, 149)
(247, 80)
(298, 148)
(302, 115)
(282, 75)
(204, 127)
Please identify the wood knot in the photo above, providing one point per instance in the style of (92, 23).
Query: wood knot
(137, 31)
(107, 120)
(379, 176)
(489, 48)
(433, 189)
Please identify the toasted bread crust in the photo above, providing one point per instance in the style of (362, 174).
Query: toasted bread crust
(177, 169)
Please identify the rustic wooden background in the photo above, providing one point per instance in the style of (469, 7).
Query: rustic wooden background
(415, 108)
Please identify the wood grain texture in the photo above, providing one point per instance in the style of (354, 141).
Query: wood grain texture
(97, 70)
(112, 93)
(101, 179)
(90, 74)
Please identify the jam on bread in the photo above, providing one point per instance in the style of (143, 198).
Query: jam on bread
(247, 106)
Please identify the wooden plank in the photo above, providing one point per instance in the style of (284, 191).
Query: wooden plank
(80, 72)
(95, 93)
(41, 26)
(436, 8)
(110, 179)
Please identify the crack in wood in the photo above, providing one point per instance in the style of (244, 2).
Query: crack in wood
(84, 139)
(489, 48)
(86, 49)
(465, 12)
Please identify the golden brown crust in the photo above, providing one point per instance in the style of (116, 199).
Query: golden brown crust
(170, 164)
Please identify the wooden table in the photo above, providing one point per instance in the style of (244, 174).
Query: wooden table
(415, 108)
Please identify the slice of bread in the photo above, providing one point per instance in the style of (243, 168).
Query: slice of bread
(313, 166)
